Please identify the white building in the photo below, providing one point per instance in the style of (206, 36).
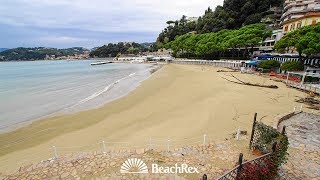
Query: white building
(268, 44)
(192, 19)
(294, 9)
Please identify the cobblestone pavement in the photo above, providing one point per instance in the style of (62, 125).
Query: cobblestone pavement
(303, 162)
(213, 160)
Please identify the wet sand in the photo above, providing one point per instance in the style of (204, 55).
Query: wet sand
(176, 102)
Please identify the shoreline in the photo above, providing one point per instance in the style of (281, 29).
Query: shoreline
(62, 112)
(177, 101)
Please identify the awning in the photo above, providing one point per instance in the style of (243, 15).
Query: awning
(253, 63)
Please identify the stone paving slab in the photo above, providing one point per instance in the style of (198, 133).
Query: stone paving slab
(303, 131)
(213, 160)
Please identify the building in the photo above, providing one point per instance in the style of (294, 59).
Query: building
(311, 18)
(294, 9)
(299, 13)
(192, 19)
(267, 46)
(273, 19)
(296, 14)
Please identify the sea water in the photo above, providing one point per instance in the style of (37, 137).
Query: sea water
(35, 89)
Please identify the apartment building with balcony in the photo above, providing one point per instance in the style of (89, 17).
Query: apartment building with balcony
(299, 13)
(267, 45)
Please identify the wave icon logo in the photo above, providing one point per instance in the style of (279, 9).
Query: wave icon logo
(134, 166)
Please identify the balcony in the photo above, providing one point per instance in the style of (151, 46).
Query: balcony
(296, 11)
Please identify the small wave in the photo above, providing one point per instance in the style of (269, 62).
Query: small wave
(106, 89)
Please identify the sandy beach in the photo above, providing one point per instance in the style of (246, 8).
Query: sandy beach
(176, 102)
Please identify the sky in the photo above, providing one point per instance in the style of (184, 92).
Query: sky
(90, 23)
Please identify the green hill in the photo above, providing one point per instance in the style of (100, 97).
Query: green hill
(38, 53)
(232, 15)
(112, 50)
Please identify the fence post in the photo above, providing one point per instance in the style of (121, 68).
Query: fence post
(253, 127)
(168, 146)
(238, 134)
(240, 166)
(204, 177)
(274, 147)
(301, 108)
(204, 139)
(55, 152)
(104, 147)
(283, 130)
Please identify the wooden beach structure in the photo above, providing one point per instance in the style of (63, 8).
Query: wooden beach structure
(315, 88)
(232, 64)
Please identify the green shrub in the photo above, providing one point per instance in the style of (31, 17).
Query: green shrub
(269, 65)
(292, 66)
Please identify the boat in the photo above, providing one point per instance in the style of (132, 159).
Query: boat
(101, 63)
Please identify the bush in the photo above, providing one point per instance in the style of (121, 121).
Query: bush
(292, 66)
(269, 65)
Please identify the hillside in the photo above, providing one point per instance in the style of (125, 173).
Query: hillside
(3, 49)
(232, 15)
(112, 50)
(39, 53)
(215, 45)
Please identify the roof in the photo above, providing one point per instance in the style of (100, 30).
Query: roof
(308, 15)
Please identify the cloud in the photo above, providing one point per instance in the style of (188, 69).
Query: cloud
(127, 17)
(61, 39)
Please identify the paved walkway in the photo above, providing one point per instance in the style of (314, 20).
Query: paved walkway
(303, 162)
(213, 160)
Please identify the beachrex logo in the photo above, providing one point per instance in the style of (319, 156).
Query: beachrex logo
(184, 168)
(137, 166)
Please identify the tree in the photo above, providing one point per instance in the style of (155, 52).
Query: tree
(305, 40)
(39, 53)
(232, 15)
(292, 66)
(269, 65)
(123, 48)
(213, 45)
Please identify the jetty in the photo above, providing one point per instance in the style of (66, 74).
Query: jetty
(101, 63)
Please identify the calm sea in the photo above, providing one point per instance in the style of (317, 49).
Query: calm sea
(31, 90)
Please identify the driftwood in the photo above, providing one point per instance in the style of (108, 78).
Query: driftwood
(311, 102)
(250, 84)
(227, 71)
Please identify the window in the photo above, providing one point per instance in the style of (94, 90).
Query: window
(299, 24)
(291, 27)
(314, 21)
(285, 28)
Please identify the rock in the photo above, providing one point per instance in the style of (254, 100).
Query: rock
(112, 164)
(243, 132)
(64, 175)
(103, 165)
(74, 172)
(140, 151)
(88, 169)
